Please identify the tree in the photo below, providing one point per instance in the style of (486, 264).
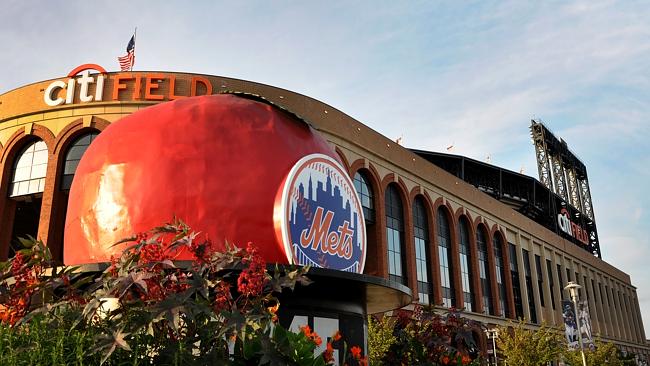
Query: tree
(526, 347)
(380, 338)
(604, 354)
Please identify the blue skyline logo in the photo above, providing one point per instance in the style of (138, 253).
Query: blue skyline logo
(323, 222)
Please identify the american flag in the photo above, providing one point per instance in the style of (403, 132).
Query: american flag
(127, 61)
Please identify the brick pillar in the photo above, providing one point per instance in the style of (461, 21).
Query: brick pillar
(434, 265)
(409, 247)
(477, 291)
(454, 253)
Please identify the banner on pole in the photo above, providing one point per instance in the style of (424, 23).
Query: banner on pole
(571, 325)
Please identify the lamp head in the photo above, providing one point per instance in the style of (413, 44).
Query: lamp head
(573, 288)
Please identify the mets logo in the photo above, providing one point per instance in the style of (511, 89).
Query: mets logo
(322, 219)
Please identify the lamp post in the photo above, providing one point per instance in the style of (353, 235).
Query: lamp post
(573, 288)
(493, 334)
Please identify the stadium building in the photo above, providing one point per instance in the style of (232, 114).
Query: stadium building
(455, 231)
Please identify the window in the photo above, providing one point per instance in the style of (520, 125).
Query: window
(26, 188)
(421, 241)
(73, 156)
(562, 283)
(516, 286)
(540, 279)
(549, 272)
(444, 248)
(395, 235)
(465, 264)
(483, 270)
(529, 287)
(501, 275)
(29, 172)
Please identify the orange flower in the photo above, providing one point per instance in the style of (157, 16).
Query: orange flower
(445, 360)
(316, 339)
(328, 354)
(337, 336)
(363, 361)
(356, 352)
(466, 359)
(306, 330)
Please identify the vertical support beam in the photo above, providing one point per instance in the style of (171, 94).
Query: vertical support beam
(586, 199)
(558, 177)
(637, 311)
(543, 166)
(574, 189)
(607, 310)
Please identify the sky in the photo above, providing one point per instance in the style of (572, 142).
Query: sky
(471, 74)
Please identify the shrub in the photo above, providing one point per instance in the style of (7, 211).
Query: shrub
(423, 337)
(145, 310)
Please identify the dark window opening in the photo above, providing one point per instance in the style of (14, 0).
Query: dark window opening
(72, 158)
(395, 236)
(529, 287)
(444, 251)
(366, 197)
(421, 241)
(501, 275)
(484, 272)
(549, 270)
(465, 265)
(562, 283)
(540, 279)
(516, 286)
(26, 218)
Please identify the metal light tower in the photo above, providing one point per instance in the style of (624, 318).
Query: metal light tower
(573, 288)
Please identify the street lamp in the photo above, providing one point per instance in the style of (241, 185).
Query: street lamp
(493, 334)
(573, 288)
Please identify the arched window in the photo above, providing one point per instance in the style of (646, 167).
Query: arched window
(395, 235)
(27, 185)
(366, 196)
(483, 269)
(444, 248)
(29, 172)
(465, 264)
(421, 240)
(501, 275)
(73, 156)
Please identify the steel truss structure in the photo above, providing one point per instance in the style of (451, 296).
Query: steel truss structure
(562, 172)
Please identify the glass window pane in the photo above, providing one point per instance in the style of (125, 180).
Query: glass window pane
(24, 160)
(38, 171)
(39, 146)
(22, 174)
(23, 187)
(40, 157)
(76, 152)
(30, 166)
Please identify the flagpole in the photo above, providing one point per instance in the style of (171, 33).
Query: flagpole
(135, 33)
